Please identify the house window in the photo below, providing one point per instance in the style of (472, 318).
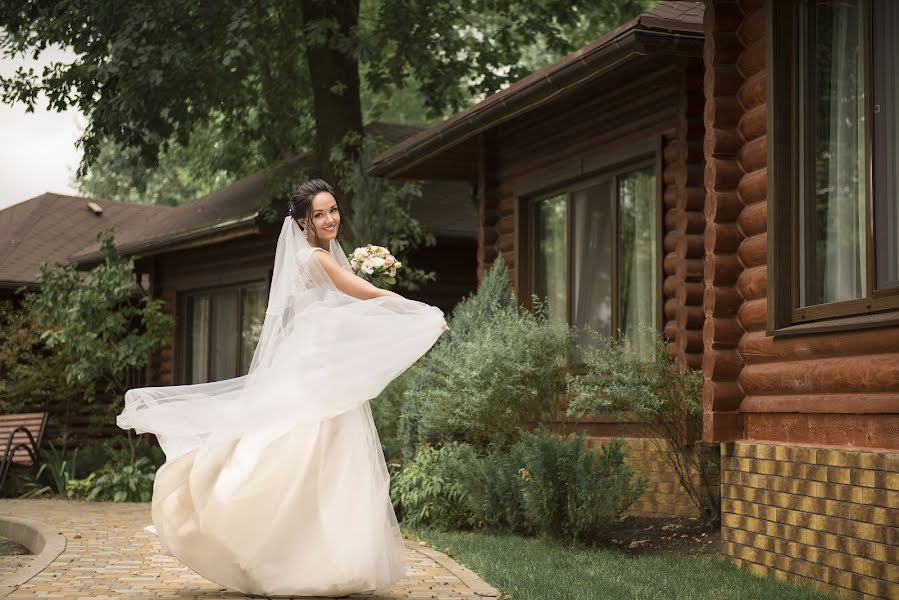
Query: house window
(222, 327)
(834, 177)
(595, 255)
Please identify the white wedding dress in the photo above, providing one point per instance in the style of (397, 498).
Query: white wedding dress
(275, 482)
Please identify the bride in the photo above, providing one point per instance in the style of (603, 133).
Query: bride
(274, 482)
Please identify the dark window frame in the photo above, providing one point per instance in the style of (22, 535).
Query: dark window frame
(785, 113)
(184, 337)
(643, 156)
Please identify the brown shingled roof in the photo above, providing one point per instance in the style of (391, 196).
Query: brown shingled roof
(443, 209)
(50, 228)
(670, 27)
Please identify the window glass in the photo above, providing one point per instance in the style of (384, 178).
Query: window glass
(223, 329)
(592, 261)
(832, 158)
(198, 310)
(252, 316)
(885, 77)
(551, 268)
(637, 264)
(225, 317)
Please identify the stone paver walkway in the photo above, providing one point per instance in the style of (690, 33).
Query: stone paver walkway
(108, 555)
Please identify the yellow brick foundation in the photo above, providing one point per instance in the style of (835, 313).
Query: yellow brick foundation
(664, 495)
(824, 517)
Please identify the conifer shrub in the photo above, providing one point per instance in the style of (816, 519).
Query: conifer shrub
(552, 486)
(496, 371)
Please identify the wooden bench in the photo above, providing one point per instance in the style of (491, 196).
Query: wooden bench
(20, 439)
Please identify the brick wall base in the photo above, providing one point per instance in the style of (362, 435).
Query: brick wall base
(664, 495)
(824, 517)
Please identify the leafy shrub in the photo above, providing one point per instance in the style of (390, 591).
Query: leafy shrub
(100, 325)
(52, 473)
(116, 483)
(547, 485)
(665, 397)
(386, 409)
(430, 490)
(120, 469)
(497, 370)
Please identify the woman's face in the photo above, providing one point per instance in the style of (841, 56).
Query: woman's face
(325, 218)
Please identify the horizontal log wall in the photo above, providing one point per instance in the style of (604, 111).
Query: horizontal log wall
(788, 388)
(799, 501)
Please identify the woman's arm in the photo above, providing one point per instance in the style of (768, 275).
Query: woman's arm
(346, 282)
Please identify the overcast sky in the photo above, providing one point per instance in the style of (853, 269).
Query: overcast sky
(37, 150)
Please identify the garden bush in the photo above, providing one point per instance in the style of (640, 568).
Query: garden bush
(496, 371)
(50, 474)
(116, 483)
(553, 486)
(430, 491)
(665, 397)
(386, 410)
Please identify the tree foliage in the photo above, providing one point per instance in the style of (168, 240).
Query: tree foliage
(98, 324)
(276, 77)
(31, 376)
(459, 51)
(382, 211)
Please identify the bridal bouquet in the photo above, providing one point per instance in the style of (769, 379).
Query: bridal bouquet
(375, 264)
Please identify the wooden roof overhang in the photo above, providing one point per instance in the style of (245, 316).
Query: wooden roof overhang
(450, 150)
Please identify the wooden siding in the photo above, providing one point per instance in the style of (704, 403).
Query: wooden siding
(684, 222)
(658, 101)
(724, 77)
(838, 387)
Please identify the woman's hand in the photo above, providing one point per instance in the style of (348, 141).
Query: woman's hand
(348, 283)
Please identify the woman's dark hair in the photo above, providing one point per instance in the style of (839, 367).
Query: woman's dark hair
(300, 203)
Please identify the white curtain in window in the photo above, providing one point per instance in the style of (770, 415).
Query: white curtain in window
(199, 339)
(840, 164)
(592, 262)
(637, 265)
(551, 277)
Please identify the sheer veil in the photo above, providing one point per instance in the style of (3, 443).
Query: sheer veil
(320, 353)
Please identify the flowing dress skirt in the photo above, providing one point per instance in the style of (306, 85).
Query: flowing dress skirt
(303, 513)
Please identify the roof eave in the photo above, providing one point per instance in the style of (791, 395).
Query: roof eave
(6, 284)
(397, 161)
(204, 236)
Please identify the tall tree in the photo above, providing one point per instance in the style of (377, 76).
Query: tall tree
(148, 74)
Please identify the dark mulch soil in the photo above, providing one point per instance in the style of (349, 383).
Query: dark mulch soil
(10, 548)
(669, 535)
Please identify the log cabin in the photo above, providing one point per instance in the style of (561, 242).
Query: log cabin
(589, 175)
(776, 266)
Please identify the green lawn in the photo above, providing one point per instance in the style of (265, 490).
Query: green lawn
(529, 569)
